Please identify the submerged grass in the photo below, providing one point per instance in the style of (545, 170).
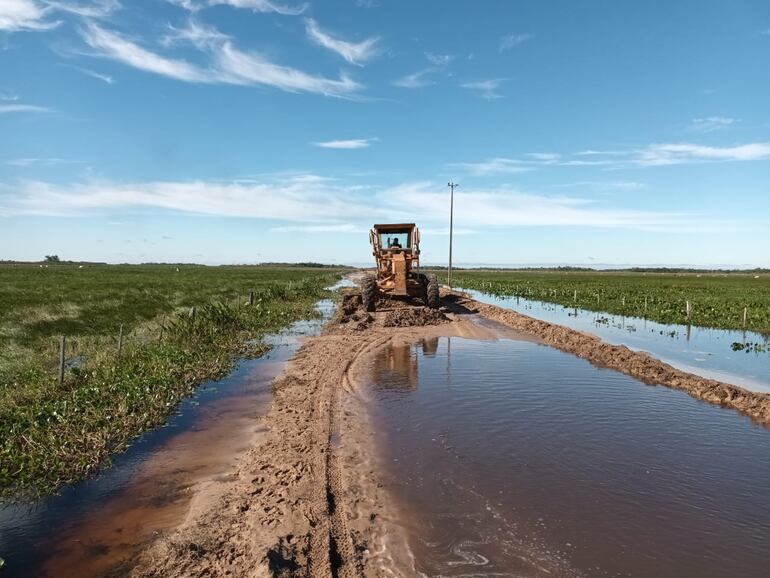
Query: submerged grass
(716, 299)
(52, 434)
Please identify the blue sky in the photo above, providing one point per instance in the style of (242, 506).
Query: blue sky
(231, 131)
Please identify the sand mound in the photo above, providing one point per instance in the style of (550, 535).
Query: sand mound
(414, 317)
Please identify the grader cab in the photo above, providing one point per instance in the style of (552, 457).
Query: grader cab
(396, 250)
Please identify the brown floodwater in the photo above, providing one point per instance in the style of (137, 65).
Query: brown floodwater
(510, 458)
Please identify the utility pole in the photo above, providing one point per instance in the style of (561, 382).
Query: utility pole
(451, 223)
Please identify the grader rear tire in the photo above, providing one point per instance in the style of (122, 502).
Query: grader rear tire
(432, 292)
(369, 292)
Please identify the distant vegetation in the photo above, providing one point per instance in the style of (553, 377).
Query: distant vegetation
(52, 434)
(717, 299)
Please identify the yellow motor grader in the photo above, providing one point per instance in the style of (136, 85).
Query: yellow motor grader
(396, 250)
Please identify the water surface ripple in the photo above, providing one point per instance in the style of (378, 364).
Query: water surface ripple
(513, 458)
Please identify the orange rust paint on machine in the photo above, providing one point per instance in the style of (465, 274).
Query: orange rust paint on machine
(396, 250)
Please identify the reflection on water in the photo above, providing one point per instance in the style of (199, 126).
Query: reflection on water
(512, 458)
(97, 525)
(702, 351)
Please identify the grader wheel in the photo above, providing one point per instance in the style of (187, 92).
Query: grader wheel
(431, 292)
(369, 292)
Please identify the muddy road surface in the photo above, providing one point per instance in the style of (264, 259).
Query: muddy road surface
(310, 498)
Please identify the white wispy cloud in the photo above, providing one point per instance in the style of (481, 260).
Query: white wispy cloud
(419, 79)
(294, 199)
(312, 203)
(604, 185)
(254, 5)
(711, 123)
(680, 153)
(354, 52)
(19, 107)
(333, 228)
(200, 35)
(117, 47)
(228, 65)
(511, 40)
(545, 157)
(494, 166)
(38, 162)
(356, 143)
(485, 88)
(507, 207)
(439, 59)
(92, 9)
(251, 68)
(98, 75)
(18, 15)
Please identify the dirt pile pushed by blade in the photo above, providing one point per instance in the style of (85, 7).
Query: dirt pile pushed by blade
(415, 317)
(351, 314)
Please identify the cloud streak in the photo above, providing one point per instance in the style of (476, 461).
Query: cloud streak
(486, 89)
(228, 64)
(653, 155)
(253, 5)
(354, 52)
(350, 144)
(20, 15)
(312, 203)
(512, 40)
(711, 123)
(417, 79)
(22, 108)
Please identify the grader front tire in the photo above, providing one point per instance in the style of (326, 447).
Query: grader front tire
(369, 292)
(432, 292)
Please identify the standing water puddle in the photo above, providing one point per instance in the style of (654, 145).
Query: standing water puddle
(95, 526)
(510, 458)
(699, 350)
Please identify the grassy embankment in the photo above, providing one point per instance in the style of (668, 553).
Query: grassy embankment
(716, 299)
(52, 434)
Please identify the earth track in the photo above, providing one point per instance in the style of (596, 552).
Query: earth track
(307, 500)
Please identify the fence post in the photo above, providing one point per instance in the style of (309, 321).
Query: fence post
(645, 304)
(688, 310)
(745, 315)
(251, 298)
(120, 339)
(192, 313)
(575, 297)
(62, 347)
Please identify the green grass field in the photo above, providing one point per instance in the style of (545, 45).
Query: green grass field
(716, 299)
(51, 434)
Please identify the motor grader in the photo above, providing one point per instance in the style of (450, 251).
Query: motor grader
(396, 250)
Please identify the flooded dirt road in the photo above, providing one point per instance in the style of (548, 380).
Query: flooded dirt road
(511, 458)
(546, 479)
